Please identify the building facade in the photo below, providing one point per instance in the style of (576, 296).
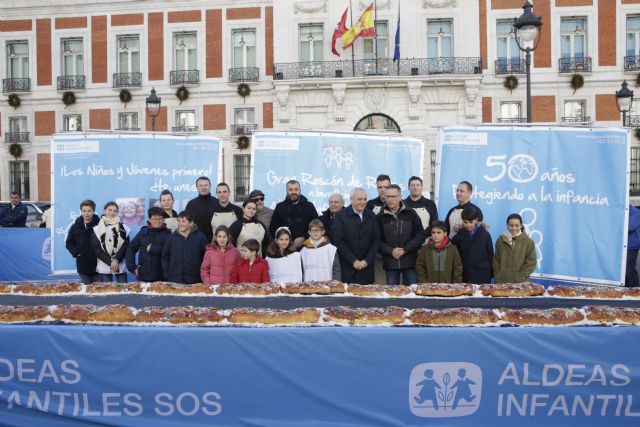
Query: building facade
(77, 65)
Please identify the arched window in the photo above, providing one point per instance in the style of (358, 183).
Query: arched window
(377, 123)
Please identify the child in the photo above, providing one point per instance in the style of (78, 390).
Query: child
(515, 257)
(149, 241)
(284, 263)
(183, 251)
(79, 242)
(219, 258)
(110, 240)
(475, 246)
(251, 268)
(438, 260)
(319, 260)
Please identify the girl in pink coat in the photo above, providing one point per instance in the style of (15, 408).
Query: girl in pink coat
(219, 258)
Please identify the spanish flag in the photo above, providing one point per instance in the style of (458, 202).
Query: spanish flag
(363, 28)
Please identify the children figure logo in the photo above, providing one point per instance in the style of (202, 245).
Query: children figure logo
(337, 156)
(445, 389)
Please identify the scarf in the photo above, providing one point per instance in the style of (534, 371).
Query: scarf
(439, 247)
(313, 244)
(509, 237)
(111, 237)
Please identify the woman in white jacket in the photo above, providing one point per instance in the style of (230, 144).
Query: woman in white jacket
(110, 240)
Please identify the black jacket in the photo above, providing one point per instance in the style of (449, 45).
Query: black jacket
(477, 253)
(79, 245)
(149, 263)
(400, 230)
(426, 210)
(182, 256)
(296, 216)
(202, 208)
(460, 207)
(356, 240)
(327, 221)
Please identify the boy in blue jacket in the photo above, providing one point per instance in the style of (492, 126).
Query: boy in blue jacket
(475, 246)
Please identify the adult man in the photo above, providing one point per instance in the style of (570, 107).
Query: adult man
(14, 215)
(453, 220)
(401, 236)
(226, 213)
(382, 182)
(263, 213)
(202, 207)
(294, 212)
(425, 208)
(336, 204)
(357, 237)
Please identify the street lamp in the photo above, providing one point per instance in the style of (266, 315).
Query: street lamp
(153, 107)
(624, 100)
(527, 29)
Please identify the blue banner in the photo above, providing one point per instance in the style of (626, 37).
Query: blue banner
(129, 169)
(570, 185)
(327, 163)
(125, 376)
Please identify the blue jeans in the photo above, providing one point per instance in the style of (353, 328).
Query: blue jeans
(120, 277)
(87, 279)
(409, 276)
(631, 277)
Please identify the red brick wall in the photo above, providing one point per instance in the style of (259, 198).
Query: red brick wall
(568, 3)
(487, 113)
(215, 117)
(44, 176)
(606, 28)
(543, 108)
(507, 4)
(268, 41)
(267, 115)
(155, 51)
(606, 108)
(43, 51)
(76, 22)
(184, 16)
(100, 118)
(16, 25)
(243, 13)
(214, 43)
(45, 123)
(161, 121)
(128, 19)
(99, 49)
(542, 55)
(482, 27)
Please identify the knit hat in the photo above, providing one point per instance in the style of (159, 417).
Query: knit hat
(255, 193)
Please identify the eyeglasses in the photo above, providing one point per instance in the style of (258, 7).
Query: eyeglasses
(258, 199)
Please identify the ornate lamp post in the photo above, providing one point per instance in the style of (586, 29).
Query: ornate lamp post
(527, 29)
(624, 101)
(153, 107)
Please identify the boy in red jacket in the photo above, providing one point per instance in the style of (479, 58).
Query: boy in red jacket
(251, 268)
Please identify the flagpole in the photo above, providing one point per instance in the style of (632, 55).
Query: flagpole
(398, 29)
(353, 55)
(375, 34)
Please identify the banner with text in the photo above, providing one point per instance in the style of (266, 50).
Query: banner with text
(123, 376)
(129, 169)
(570, 185)
(327, 163)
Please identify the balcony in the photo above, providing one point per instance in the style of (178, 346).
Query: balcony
(512, 120)
(128, 129)
(574, 65)
(510, 66)
(632, 63)
(632, 121)
(184, 77)
(127, 80)
(16, 85)
(71, 82)
(185, 129)
(247, 129)
(370, 67)
(16, 137)
(247, 74)
(576, 121)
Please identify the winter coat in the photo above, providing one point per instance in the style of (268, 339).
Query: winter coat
(243, 272)
(104, 259)
(453, 220)
(13, 216)
(514, 262)
(476, 251)
(328, 219)
(264, 216)
(79, 244)
(443, 266)
(402, 229)
(170, 220)
(375, 205)
(296, 216)
(634, 228)
(149, 263)
(356, 240)
(217, 264)
(202, 208)
(182, 256)
(426, 210)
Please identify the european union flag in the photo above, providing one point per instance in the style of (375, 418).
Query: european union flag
(396, 51)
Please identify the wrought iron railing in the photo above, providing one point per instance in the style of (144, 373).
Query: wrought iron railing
(129, 129)
(246, 74)
(574, 65)
(632, 121)
(71, 82)
(510, 66)
(512, 120)
(127, 79)
(632, 63)
(577, 121)
(246, 129)
(13, 137)
(187, 129)
(370, 67)
(16, 85)
(184, 77)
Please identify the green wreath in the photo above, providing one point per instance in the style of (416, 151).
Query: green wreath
(182, 93)
(244, 90)
(15, 150)
(242, 142)
(14, 100)
(577, 81)
(510, 82)
(68, 98)
(125, 96)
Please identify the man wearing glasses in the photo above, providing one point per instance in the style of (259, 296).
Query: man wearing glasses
(264, 213)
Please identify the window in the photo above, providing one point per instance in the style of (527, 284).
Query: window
(244, 48)
(72, 122)
(377, 122)
(72, 57)
(128, 54)
(574, 111)
(634, 178)
(432, 174)
(311, 43)
(633, 116)
(382, 44)
(17, 130)
(573, 44)
(510, 112)
(185, 51)
(185, 121)
(508, 51)
(241, 168)
(244, 120)
(439, 39)
(19, 178)
(128, 121)
(18, 60)
(632, 52)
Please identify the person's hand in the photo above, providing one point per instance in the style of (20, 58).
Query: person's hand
(115, 266)
(397, 253)
(135, 272)
(297, 243)
(149, 247)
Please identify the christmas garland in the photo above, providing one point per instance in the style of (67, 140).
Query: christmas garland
(14, 100)
(68, 98)
(15, 150)
(182, 93)
(244, 90)
(242, 142)
(577, 81)
(510, 82)
(125, 96)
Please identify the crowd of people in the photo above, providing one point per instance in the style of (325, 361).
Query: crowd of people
(384, 240)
